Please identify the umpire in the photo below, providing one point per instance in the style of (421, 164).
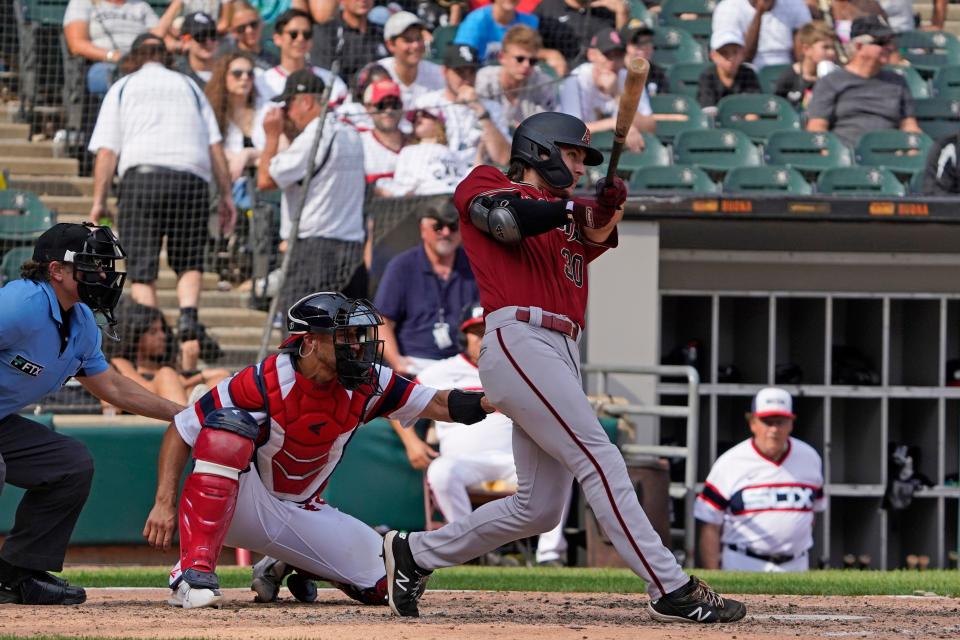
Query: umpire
(48, 333)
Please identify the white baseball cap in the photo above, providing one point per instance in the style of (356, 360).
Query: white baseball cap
(720, 39)
(772, 401)
(400, 22)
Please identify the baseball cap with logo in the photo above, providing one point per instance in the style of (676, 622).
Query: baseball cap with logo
(446, 213)
(720, 39)
(377, 91)
(871, 30)
(400, 22)
(198, 25)
(61, 242)
(460, 56)
(301, 82)
(607, 41)
(772, 401)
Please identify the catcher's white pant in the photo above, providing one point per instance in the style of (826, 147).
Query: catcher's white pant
(532, 374)
(732, 560)
(450, 475)
(316, 538)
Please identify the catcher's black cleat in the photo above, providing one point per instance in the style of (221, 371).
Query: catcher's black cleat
(40, 587)
(268, 575)
(696, 602)
(406, 582)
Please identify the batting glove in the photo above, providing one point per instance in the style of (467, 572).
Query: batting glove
(590, 213)
(611, 193)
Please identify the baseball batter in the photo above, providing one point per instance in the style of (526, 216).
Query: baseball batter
(529, 241)
(265, 443)
(758, 501)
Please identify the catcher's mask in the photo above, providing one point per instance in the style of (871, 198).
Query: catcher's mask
(353, 324)
(94, 252)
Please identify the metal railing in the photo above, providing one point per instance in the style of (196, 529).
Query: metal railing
(686, 490)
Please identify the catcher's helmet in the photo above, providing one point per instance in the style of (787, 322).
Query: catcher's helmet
(540, 135)
(471, 315)
(353, 325)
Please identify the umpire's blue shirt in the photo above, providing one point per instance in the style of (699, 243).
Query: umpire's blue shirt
(34, 359)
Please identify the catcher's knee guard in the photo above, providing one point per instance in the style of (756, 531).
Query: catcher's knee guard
(222, 450)
(375, 595)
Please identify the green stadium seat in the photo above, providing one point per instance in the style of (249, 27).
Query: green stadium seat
(685, 77)
(654, 155)
(769, 75)
(915, 82)
(672, 45)
(672, 178)
(12, 260)
(693, 16)
(915, 184)
(44, 12)
(927, 51)
(901, 152)
(716, 151)
(946, 82)
(675, 113)
(757, 114)
(766, 179)
(806, 151)
(602, 140)
(860, 181)
(22, 218)
(638, 11)
(938, 117)
(442, 36)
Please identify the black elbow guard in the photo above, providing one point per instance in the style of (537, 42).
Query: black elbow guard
(496, 218)
(464, 406)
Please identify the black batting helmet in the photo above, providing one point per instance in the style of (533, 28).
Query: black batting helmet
(471, 315)
(353, 325)
(541, 134)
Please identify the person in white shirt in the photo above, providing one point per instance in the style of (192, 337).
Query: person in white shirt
(427, 166)
(592, 91)
(758, 502)
(767, 27)
(475, 128)
(156, 128)
(474, 454)
(382, 142)
(328, 253)
(403, 35)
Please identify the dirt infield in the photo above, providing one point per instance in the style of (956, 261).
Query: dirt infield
(143, 613)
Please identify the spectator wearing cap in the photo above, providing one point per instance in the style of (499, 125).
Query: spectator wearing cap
(157, 130)
(422, 292)
(757, 505)
(199, 38)
(475, 127)
(384, 140)
(362, 39)
(102, 31)
(569, 25)
(639, 39)
(729, 75)
(328, 253)
(863, 96)
(766, 27)
(484, 28)
(246, 33)
(517, 84)
(426, 166)
(403, 35)
(592, 91)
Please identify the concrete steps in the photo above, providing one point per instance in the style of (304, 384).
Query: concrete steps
(236, 337)
(167, 279)
(14, 131)
(73, 205)
(221, 317)
(167, 298)
(25, 149)
(53, 186)
(66, 167)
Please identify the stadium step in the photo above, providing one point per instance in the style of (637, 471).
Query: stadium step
(14, 131)
(54, 186)
(167, 279)
(214, 317)
(243, 336)
(24, 149)
(73, 208)
(167, 298)
(40, 166)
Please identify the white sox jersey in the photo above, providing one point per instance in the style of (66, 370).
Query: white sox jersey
(464, 130)
(492, 434)
(379, 160)
(309, 425)
(764, 506)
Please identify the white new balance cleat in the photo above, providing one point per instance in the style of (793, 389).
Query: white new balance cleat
(192, 598)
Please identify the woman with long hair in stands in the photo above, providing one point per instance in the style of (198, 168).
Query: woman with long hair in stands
(233, 97)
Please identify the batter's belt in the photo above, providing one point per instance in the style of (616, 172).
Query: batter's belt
(554, 323)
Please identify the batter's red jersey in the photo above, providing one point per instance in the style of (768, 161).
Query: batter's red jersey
(548, 270)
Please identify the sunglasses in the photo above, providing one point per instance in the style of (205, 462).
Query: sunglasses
(294, 34)
(239, 73)
(389, 104)
(204, 38)
(440, 226)
(533, 60)
(241, 29)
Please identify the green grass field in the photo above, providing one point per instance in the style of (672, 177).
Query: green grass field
(846, 583)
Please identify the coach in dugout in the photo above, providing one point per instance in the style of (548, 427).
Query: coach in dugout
(758, 502)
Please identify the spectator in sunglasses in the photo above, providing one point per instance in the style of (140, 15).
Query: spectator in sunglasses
(520, 87)
(199, 38)
(234, 101)
(244, 33)
(863, 96)
(383, 141)
(422, 292)
(362, 39)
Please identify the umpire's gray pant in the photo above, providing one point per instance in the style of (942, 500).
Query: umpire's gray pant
(56, 471)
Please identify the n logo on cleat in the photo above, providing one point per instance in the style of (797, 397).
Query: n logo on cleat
(401, 581)
(699, 614)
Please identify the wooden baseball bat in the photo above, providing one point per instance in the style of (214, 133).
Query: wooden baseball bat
(637, 70)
